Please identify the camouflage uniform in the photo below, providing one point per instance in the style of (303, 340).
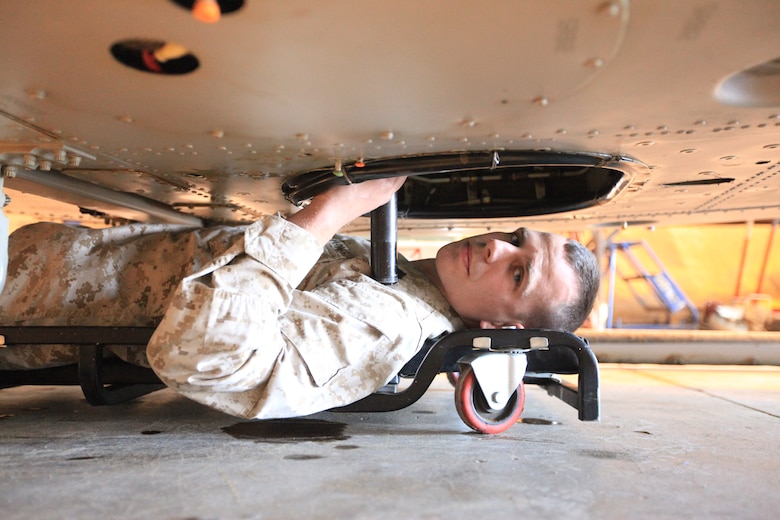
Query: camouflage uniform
(66, 275)
(263, 324)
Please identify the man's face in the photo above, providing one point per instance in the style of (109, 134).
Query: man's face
(497, 278)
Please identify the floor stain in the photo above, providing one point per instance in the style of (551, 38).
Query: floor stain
(288, 430)
(605, 454)
(303, 457)
(531, 420)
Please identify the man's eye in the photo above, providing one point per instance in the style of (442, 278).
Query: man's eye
(515, 240)
(518, 277)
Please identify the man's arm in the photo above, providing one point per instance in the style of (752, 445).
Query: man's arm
(332, 210)
(222, 336)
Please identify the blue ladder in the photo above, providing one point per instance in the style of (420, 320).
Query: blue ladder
(669, 296)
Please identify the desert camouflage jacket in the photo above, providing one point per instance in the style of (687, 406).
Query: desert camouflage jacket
(256, 321)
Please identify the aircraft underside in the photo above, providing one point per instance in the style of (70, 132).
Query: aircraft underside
(561, 114)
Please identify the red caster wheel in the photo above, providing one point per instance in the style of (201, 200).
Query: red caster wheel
(475, 411)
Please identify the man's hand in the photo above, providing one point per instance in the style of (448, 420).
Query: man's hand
(330, 211)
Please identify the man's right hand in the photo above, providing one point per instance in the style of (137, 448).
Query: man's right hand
(330, 211)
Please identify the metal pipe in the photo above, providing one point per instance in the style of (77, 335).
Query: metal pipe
(62, 183)
(3, 237)
(748, 233)
(767, 253)
(612, 274)
(384, 236)
(684, 347)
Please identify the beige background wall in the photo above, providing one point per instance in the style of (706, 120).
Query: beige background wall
(705, 262)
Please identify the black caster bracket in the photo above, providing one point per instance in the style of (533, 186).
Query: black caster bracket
(565, 353)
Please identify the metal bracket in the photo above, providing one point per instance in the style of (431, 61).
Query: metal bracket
(32, 156)
(103, 381)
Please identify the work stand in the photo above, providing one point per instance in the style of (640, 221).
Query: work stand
(489, 368)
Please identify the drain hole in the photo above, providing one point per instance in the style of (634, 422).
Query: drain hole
(226, 6)
(155, 56)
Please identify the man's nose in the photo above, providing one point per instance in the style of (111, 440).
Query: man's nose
(497, 249)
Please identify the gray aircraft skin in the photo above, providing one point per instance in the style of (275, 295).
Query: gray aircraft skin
(136, 110)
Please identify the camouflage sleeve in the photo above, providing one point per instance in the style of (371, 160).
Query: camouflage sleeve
(221, 331)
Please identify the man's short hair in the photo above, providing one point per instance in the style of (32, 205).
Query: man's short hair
(569, 316)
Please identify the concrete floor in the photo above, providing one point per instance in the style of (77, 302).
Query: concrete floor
(673, 442)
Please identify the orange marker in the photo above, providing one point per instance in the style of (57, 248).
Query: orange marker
(206, 11)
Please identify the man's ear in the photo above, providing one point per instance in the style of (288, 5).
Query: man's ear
(490, 325)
